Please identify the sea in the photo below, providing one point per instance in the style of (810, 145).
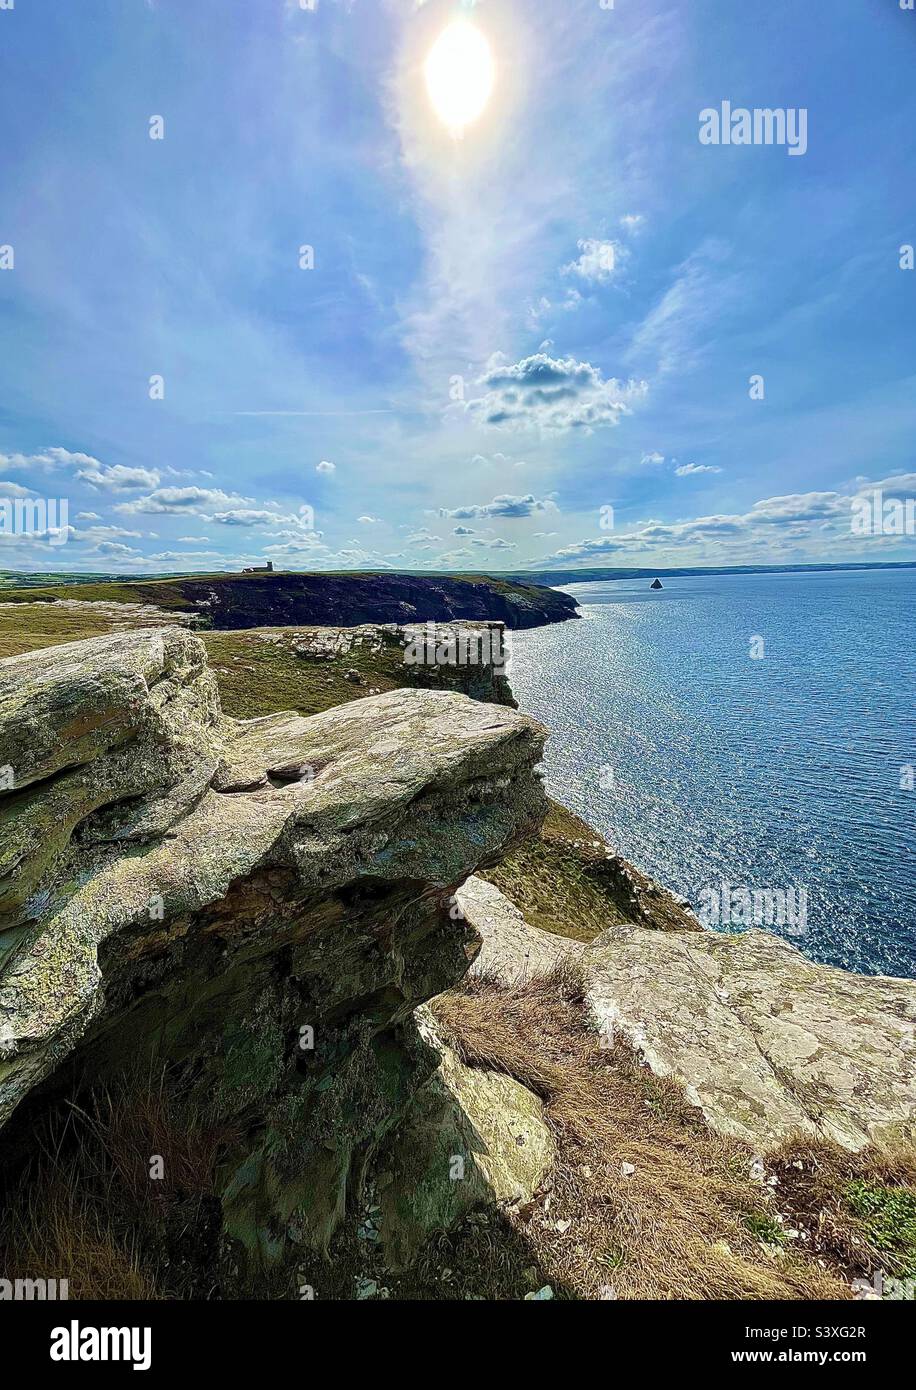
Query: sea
(749, 741)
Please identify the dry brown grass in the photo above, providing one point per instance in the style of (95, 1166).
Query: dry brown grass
(687, 1223)
(858, 1210)
(58, 1222)
(85, 1207)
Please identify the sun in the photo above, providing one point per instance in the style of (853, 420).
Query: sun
(460, 75)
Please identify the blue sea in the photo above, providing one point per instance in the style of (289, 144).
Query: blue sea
(708, 766)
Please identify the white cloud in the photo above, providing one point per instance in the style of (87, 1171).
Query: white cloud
(551, 394)
(47, 460)
(115, 550)
(814, 523)
(504, 505)
(170, 555)
(118, 478)
(257, 516)
(599, 261)
(325, 467)
(182, 501)
(686, 470)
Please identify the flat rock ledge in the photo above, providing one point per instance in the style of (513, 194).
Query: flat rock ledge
(765, 1042)
(259, 905)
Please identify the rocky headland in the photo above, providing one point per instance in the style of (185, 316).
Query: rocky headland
(232, 601)
(301, 927)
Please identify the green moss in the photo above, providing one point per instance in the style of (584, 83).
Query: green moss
(253, 1064)
(888, 1217)
(558, 879)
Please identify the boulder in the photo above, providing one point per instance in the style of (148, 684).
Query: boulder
(767, 1043)
(512, 952)
(472, 1138)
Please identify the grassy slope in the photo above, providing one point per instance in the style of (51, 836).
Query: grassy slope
(557, 881)
(259, 677)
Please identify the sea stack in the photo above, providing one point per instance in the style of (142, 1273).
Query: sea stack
(656, 584)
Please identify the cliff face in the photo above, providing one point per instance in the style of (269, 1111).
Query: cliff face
(470, 659)
(278, 600)
(257, 911)
(258, 906)
(288, 599)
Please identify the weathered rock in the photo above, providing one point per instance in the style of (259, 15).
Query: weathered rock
(129, 721)
(765, 1042)
(512, 952)
(472, 1138)
(64, 706)
(469, 658)
(262, 906)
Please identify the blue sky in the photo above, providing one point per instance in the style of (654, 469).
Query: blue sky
(503, 333)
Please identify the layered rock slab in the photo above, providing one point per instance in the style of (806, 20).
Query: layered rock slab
(767, 1043)
(268, 932)
(471, 1138)
(512, 952)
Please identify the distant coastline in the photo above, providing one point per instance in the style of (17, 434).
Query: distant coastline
(561, 577)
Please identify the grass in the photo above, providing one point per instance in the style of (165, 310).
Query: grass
(568, 882)
(165, 593)
(556, 880)
(49, 625)
(90, 1206)
(258, 677)
(855, 1208)
(646, 1201)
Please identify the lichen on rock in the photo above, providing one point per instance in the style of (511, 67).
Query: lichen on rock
(258, 906)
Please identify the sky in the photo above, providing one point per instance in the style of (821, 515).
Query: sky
(259, 301)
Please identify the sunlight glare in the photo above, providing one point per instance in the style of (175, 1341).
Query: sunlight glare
(460, 74)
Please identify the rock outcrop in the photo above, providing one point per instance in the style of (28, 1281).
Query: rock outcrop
(765, 1042)
(258, 906)
(512, 952)
(471, 1138)
(470, 658)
